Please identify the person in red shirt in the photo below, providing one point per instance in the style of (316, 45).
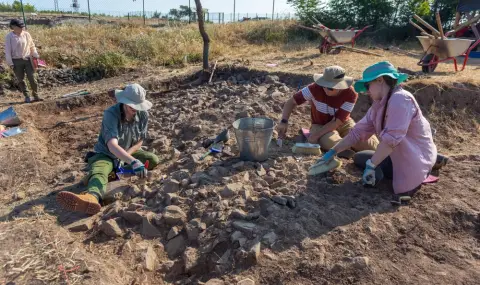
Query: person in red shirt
(332, 99)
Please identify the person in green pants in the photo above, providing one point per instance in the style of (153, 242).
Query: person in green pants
(19, 50)
(124, 128)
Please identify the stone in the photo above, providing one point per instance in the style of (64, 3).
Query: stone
(175, 246)
(270, 238)
(242, 114)
(171, 199)
(291, 203)
(337, 267)
(181, 174)
(284, 89)
(132, 217)
(360, 262)
(238, 214)
(203, 193)
(150, 259)
(279, 200)
(245, 227)
(246, 192)
(194, 228)
(190, 258)
(265, 204)
(81, 225)
(148, 229)
(173, 215)
(261, 171)
(148, 192)
(115, 191)
(231, 190)
(271, 79)
(246, 282)
(167, 266)
(269, 179)
(215, 282)
(199, 177)
(171, 186)
(254, 254)
(111, 228)
(175, 231)
(239, 165)
(20, 195)
(133, 191)
(246, 177)
(184, 183)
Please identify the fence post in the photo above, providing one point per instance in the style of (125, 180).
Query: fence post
(23, 13)
(273, 10)
(189, 12)
(89, 15)
(144, 19)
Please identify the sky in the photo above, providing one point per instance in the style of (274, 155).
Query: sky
(214, 6)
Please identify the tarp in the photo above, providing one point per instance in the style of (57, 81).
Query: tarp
(468, 5)
(9, 118)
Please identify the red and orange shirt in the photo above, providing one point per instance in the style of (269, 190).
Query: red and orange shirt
(324, 108)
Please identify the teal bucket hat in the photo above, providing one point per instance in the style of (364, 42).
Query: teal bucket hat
(375, 71)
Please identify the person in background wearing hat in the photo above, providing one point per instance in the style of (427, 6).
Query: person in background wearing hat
(406, 152)
(332, 99)
(19, 48)
(124, 128)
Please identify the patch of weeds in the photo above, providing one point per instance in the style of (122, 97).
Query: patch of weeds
(141, 48)
(107, 64)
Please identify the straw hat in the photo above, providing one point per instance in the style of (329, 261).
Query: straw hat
(333, 77)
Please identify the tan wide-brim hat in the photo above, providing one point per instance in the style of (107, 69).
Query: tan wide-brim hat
(134, 96)
(333, 77)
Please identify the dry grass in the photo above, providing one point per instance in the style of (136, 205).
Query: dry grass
(136, 45)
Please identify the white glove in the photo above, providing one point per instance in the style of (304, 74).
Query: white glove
(369, 174)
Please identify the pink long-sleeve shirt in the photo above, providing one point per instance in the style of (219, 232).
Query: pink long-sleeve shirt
(406, 131)
(19, 47)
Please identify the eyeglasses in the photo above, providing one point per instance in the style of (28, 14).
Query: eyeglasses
(367, 85)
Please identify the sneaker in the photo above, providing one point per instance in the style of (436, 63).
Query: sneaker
(441, 162)
(28, 100)
(84, 203)
(403, 198)
(37, 99)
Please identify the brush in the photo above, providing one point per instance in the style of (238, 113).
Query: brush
(306, 148)
(323, 167)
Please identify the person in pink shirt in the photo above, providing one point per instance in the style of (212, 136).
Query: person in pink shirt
(19, 50)
(406, 153)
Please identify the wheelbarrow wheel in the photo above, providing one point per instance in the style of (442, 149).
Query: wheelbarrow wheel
(430, 67)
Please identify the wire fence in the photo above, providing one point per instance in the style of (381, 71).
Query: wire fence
(81, 11)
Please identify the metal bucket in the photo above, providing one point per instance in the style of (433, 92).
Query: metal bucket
(9, 118)
(253, 137)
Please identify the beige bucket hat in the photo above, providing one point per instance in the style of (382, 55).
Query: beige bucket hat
(134, 96)
(333, 77)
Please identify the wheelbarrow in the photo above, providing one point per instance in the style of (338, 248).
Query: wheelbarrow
(437, 50)
(336, 37)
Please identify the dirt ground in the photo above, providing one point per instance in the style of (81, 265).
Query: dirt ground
(224, 221)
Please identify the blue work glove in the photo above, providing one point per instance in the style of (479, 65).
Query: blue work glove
(139, 168)
(326, 158)
(369, 174)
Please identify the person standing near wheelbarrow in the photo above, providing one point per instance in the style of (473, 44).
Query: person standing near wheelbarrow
(406, 152)
(124, 128)
(19, 49)
(332, 99)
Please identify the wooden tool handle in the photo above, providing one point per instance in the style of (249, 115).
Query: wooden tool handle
(439, 24)
(422, 21)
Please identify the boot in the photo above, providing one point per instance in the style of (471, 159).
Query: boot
(85, 202)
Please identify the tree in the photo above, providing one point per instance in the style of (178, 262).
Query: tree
(205, 37)
(306, 9)
(182, 12)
